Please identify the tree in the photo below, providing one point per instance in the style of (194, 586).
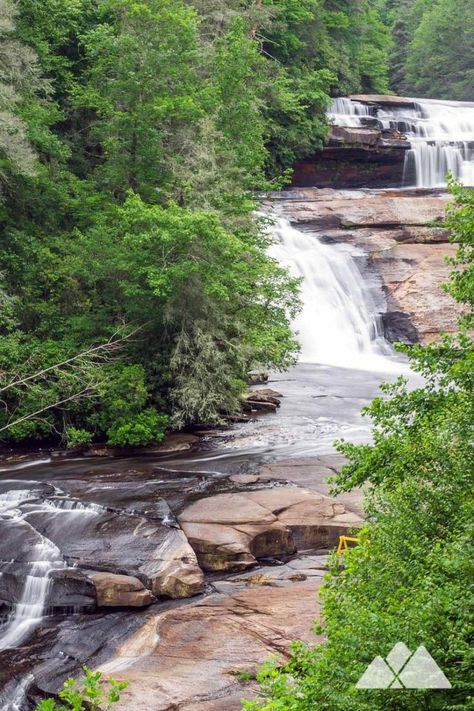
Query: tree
(440, 61)
(143, 86)
(19, 77)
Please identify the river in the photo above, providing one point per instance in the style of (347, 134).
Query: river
(64, 519)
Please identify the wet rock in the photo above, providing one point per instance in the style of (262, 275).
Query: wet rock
(99, 451)
(250, 405)
(33, 489)
(203, 648)
(176, 442)
(26, 539)
(61, 646)
(264, 399)
(120, 591)
(71, 589)
(233, 531)
(121, 543)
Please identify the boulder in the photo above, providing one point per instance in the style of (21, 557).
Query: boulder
(265, 395)
(233, 531)
(71, 589)
(263, 399)
(119, 542)
(361, 136)
(180, 578)
(120, 591)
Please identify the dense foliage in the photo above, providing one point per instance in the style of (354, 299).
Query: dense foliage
(433, 48)
(135, 290)
(410, 578)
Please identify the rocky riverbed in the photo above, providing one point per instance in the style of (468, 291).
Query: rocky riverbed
(183, 573)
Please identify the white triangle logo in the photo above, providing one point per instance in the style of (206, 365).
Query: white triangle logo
(404, 670)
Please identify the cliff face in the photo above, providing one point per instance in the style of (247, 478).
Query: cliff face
(355, 158)
(398, 247)
(366, 156)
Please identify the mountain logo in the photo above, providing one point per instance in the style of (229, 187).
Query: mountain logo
(404, 669)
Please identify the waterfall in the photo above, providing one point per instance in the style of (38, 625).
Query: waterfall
(44, 557)
(441, 136)
(339, 324)
(345, 112)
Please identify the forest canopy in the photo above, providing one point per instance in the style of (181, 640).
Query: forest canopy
(135, 137)
(433, 48)
(135, 141)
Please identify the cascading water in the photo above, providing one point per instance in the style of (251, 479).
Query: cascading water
(44, 557)
(339, 324)
(441, 136)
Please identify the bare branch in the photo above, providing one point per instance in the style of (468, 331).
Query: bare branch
(98, 352)
(32, 415)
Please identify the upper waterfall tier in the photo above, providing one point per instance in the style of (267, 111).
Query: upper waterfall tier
(440, 134)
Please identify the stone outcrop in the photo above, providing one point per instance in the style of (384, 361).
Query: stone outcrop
(362, 157)
(264, 399)
(365, 156)
(233, 531)
(158, 555)
(114, 590)
(384, 100)
(405, 246)
(203, 656)
(125, 532)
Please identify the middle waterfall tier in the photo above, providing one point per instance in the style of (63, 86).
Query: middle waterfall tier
(339, 324)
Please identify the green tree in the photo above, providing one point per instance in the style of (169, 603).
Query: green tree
(143, 86)
(19, 78)
(440, 61)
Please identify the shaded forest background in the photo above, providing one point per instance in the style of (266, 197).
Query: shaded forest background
(135, 139)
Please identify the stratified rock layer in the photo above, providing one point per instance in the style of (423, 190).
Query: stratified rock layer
(399, 244)
(232, 531)
(200, 657)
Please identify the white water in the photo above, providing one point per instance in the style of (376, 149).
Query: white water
(44, 557)
(441, 136)
(339, 324)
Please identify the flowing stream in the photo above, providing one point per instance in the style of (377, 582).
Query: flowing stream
(441, 136)
(43, 557)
